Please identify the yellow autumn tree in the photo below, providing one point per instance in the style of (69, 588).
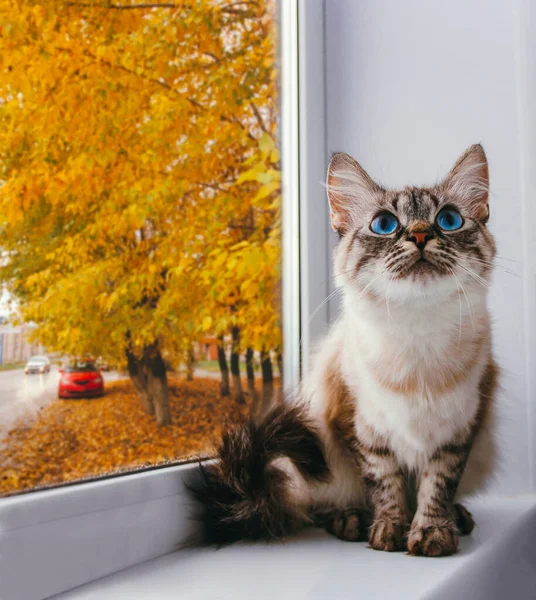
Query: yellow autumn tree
(139, 198)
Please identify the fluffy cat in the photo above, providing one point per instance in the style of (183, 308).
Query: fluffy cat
(394, 422)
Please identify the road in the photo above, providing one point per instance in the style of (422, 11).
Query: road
(22, 396)
(206, 374)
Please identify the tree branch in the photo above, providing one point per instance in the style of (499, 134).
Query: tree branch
(236, 120)
(212, 55)
(259, 118)
(252, 2)
(150, 5)
(241, 227)
(164, 84)
(126, 6)
(248, 14)
(211, 186)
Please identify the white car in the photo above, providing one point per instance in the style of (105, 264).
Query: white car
(37, 364)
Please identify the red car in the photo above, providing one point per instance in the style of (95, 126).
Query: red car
(80, 380)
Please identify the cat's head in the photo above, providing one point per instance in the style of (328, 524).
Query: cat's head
(415, 241)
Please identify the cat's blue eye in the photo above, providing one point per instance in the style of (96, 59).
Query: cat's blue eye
(449, 219)
(384, 224)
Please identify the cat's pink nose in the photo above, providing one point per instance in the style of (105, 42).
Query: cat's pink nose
(419, 238)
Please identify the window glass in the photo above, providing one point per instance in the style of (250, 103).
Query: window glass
(139, 232)
(81, 367)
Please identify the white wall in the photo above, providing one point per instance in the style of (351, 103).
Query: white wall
(410, 84)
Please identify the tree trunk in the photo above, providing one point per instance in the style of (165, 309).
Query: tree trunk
(281, 388)
(224, 369)
(238, 394)
(256, 405)
(280, 367)
(190, 362)
(250, 370)
(267, 381)
(157, 383)
(138, 377)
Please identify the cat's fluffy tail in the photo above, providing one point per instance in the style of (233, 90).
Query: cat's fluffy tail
(243, 494)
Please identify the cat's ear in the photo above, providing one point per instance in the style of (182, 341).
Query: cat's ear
(349, 189)
(468, 182)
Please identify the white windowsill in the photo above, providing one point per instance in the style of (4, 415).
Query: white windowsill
(72, 535)
(314, 565)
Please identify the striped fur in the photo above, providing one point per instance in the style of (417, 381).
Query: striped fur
(398, 408)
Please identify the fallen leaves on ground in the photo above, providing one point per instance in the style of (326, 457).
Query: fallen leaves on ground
(78, 439)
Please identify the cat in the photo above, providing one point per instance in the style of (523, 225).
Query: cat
(395, 421)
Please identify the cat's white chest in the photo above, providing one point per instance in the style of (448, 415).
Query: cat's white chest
(396, 382)
(413, 426)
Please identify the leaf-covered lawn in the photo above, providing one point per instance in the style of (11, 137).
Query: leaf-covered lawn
(75, 439)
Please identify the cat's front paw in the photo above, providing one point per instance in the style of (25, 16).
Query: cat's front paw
(434, 540)
(387, 535)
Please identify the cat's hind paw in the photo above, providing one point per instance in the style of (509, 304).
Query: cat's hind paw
(348, 525)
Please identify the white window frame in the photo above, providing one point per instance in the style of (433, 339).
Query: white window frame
(316, 238)
(57, 539)
(524, 13)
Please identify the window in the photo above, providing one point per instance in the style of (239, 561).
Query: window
(81, 367)
(140, 232)
(73, 534)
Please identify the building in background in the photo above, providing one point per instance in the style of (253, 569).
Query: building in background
(15, 345)
(207, 349)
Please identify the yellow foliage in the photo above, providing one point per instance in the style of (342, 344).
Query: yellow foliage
(139, 172)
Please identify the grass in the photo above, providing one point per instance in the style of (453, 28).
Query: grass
(208, 365)
(213, 367)
(12, 366)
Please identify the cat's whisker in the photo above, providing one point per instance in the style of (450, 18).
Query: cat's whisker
(476, 276)
(492, 265)
(460, 302)
(370, 283)
(489, 263)
(323, 303)
(472, 274)
(466, 299)
(507, 259)
(508, 272)
(318, 308)
(341, 273)
(387, 302)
